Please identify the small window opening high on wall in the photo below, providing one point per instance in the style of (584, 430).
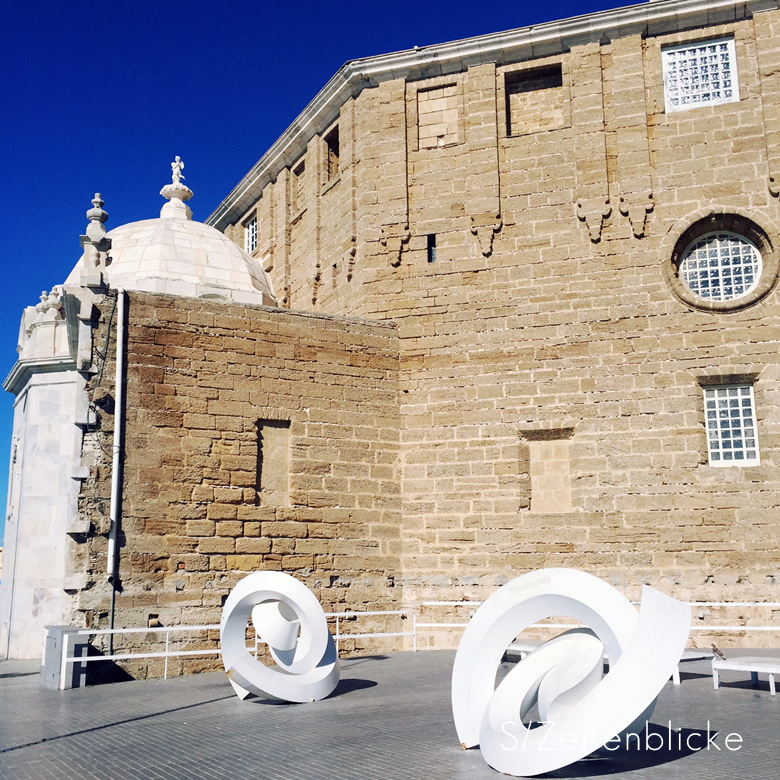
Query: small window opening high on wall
(332, 153)
(299, 175)
(432, 248)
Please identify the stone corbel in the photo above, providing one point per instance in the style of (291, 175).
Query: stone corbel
(348, 257)
(485, 227)
(774, 184)
(593, 212)
(345, 261)
(315, 284)
(395, 238)
(636, 208)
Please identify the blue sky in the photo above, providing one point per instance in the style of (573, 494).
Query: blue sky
(100, 97)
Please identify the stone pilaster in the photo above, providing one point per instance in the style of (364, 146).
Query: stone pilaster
(593, 205)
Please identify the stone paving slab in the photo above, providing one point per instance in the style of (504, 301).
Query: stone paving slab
(389, 719)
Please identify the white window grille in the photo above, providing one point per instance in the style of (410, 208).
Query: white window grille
(700, 74)
(250, 234)
(721, 266)
(731, 425)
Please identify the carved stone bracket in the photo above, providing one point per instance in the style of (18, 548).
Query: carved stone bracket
(395, 238)
(348, 256)
(315, 284)
(636, 208)
(345, 261)
(485, 227)
(593, 212)
(774, 184)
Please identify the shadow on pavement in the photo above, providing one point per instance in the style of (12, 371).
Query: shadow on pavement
(658, 745)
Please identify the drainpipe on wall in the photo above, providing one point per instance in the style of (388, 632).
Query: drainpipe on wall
(116, 469)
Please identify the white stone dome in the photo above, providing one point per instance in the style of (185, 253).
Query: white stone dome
(178, 256)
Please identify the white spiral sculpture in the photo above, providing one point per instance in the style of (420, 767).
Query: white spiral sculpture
(289, 618)
(581, 708)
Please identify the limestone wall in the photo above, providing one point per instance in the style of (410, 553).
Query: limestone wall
(207, 385)
(552, 405)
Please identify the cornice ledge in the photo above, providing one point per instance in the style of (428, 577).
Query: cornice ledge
(545, 39)
(24, 369)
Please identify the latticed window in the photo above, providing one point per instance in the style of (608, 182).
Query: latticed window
(250, 234)
(731, 425)
(721, 266)
(700, 74)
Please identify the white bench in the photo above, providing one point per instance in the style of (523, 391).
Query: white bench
(752, 664)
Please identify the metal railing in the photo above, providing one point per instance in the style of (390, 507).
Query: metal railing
(166, 654)
(695, 626)
(340, 617)
(167, 630)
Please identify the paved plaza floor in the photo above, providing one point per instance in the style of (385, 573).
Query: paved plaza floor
(389, 719)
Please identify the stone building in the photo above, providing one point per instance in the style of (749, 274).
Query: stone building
(487, 306)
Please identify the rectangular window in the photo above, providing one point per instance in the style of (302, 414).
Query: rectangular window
(432, 248)
(332, 153)
(534, 100)
(700, 74)
(731, 425)
(299, 176)
(273, 462)
(437, 116)
(250, 235)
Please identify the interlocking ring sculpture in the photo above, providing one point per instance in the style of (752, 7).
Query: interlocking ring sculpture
(581, 709)
(289, 618)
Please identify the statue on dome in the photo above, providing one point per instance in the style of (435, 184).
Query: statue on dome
(176, 193)
(177, 166)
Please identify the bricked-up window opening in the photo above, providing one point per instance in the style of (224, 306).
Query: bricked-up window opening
(299, 176)
(699, 74)
(731, 425)
(550, 476)
(534, 100)
(432, 248)
(250, 235)
(721, 266)
(437, 116)
(273, 462)
(332, 153)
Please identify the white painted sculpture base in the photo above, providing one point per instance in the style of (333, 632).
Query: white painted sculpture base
(581, 708)
(289, 618)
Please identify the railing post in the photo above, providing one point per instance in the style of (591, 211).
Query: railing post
(414, 628)
(338, 635)
(167, 636)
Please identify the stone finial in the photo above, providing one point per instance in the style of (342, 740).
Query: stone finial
(50, 302)
(38, 335)
(176, 193)
(96, 244)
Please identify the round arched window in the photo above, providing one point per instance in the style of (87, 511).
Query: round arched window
(721, 262)
(721, 266)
